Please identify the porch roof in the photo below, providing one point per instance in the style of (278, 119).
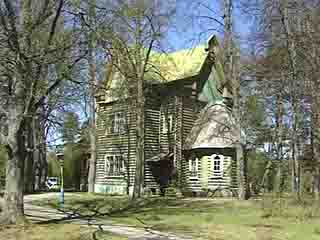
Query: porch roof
(160, 156)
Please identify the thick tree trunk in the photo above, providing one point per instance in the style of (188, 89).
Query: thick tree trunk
(13, 211)
(44, 169)
(30, 156)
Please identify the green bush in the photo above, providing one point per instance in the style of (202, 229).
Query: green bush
(187, 192)
(171, 192)
(275, 206)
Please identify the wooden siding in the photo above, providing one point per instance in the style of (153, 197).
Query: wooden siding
(166, 139)
(178, 137)
(115, 144)
(205, 178)
(184, 111)
(151, 137)
(189, 116)
(190, 110)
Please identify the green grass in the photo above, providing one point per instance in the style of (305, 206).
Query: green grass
(54, 232)
(85, 203)
(109, 236)
(266, 219)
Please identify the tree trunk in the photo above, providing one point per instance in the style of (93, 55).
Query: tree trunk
(292, 51)
(315, 141)
(13, 210)
(30, 157)
(295, 151)
(279, 133)
(92, 119)
(314, 88)
(92, 132)
(265, 175)
(43, 169)
(242, 191)
(139, 176)
(140, 70)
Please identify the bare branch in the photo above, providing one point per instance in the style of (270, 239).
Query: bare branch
(55, 21)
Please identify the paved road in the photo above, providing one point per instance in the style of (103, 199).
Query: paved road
(39, 214)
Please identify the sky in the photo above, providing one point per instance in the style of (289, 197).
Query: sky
(190, 27)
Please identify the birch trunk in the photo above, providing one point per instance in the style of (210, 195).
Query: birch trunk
(139, 175)
(140, 68)
(92, 119)
(279, 129)
(92, 132)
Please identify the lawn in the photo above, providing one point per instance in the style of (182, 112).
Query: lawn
(53, 232)
(264, 219)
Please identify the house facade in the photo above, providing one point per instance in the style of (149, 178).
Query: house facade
(176, 150)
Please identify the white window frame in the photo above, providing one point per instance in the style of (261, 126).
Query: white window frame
(117, 123)
(165, 120)
(111, 161)
(217, 173)
(193, 168)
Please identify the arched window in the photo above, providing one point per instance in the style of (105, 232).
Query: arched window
(217, 165)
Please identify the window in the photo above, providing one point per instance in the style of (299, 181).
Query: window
(114, 165)
(193, 167)
(217, 165)
(116, 123)
(167, 123)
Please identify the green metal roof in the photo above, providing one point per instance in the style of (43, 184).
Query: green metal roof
(167, 67)
(177, 65)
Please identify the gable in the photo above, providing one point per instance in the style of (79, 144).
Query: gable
(199, 63)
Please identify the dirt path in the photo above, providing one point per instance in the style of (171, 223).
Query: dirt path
(37, 214)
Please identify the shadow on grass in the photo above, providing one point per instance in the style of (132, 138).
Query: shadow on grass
(149, 208)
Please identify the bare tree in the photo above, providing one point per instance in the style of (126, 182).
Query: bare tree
(32, 41)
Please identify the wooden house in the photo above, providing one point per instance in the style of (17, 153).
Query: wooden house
(175, 146)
